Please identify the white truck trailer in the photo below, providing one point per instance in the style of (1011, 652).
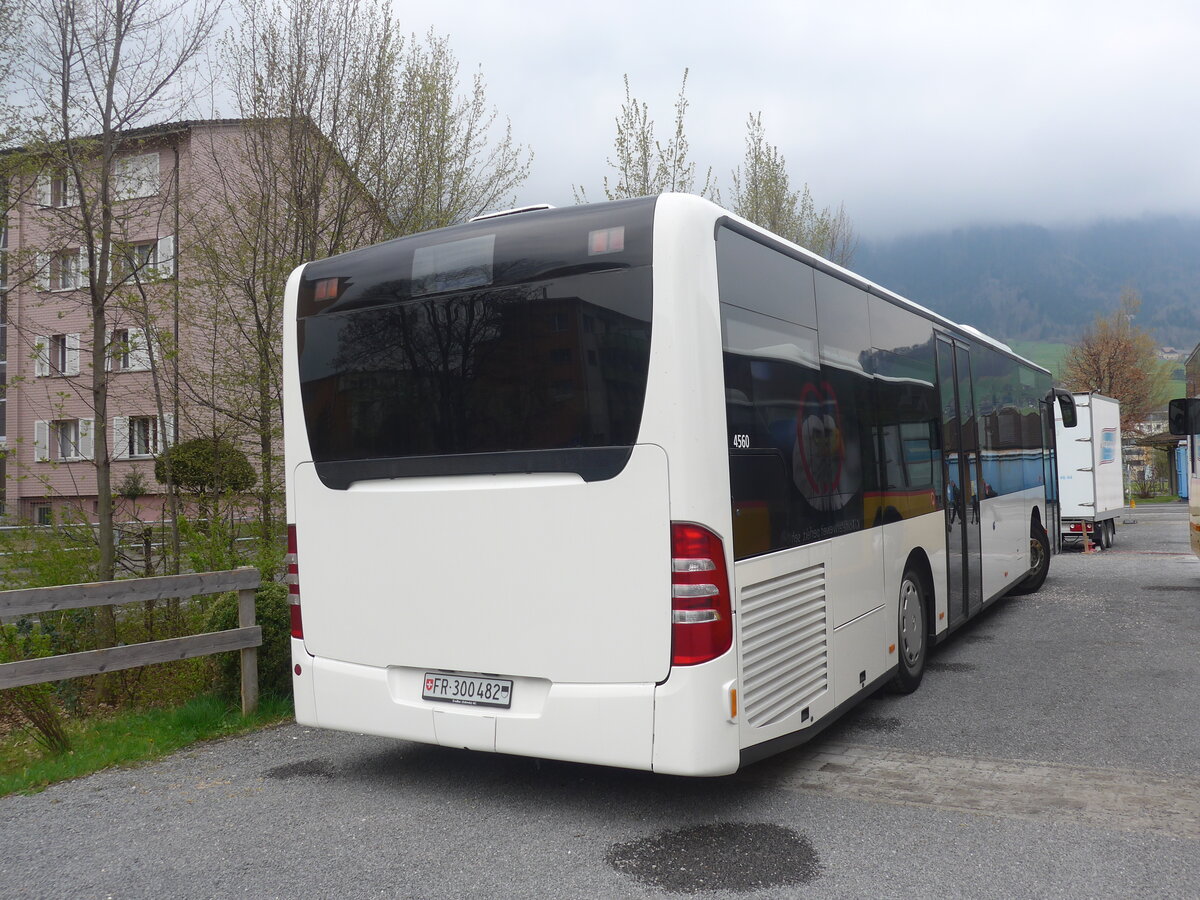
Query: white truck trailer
(1090, 482)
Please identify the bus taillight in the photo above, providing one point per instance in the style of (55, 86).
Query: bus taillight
(701, 614)
(293, 583)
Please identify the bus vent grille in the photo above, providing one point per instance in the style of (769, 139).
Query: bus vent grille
(785, 651)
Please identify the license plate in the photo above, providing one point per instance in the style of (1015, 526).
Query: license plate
(469, 690)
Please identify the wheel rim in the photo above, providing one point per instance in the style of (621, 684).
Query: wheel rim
(1037, 554)
(912, 630)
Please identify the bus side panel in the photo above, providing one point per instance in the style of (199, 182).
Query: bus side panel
(927, 535)
(860, 653)
(1005, 545)
(784, 636)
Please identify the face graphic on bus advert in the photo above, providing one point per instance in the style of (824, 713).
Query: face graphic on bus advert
(823, 465)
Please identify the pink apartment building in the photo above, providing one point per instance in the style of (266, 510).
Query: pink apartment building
(162, 179)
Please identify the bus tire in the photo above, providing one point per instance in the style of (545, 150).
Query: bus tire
(912, 638)
(1039, 552)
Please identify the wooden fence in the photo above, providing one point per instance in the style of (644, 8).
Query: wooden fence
(247, 637)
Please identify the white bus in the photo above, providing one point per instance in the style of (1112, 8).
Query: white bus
(638, 484)
(1184, 420)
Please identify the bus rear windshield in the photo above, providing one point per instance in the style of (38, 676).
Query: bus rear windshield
(519, 343)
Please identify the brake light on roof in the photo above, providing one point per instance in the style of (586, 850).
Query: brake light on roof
(701, 612)
(293, 583)
(326, 289)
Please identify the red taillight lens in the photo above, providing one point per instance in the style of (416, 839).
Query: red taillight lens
(701, 614)
(293, 583)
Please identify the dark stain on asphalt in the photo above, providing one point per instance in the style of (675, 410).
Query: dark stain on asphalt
(727, 856)
(979, 638)
(309, 768)
(937, 665)
(1186, 588)
(890, 724)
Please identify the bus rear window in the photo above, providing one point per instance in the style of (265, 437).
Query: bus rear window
(514, 344)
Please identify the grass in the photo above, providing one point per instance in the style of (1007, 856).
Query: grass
(1046, 354)
(127, 738)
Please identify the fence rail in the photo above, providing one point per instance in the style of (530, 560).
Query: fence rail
(247, 637)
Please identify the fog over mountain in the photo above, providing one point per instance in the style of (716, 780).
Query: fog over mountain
(1025, 282)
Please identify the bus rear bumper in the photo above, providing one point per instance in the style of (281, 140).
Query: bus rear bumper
(610, 725)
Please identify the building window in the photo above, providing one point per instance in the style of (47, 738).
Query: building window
(66, 437)
(42, 514)
(3, 253)
(136, 176)
(143, 436)
(129, 350)
(59, 351)
(140, 437)
(144, 261)
(65, 270)
(56, 190)
(56, 354)
(63, 440)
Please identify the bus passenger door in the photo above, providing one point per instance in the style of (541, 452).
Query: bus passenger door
(960, 475)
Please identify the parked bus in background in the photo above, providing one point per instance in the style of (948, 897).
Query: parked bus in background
(639, 484)
(1183, 419)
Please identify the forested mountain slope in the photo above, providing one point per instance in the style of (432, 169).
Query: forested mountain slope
(1025, 282)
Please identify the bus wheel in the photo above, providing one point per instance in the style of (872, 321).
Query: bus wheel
(911, 638)
(1039, 556)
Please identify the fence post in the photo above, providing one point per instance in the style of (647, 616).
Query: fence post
(249, 655)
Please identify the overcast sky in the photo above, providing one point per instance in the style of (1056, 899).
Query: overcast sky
(917, 115)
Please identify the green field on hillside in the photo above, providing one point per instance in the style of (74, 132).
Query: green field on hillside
(1044, 353)
(1051, 356)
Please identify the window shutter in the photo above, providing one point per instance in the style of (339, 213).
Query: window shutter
(41, 441)
(106, 275)
(120, 432)
(72, 355)
(84, 278)
(123, 179)
(43, 190)
(41, 357)
(70, 191)
(109, 350)
(166, 432)
(148, 174)
(136, 176)
(87, 439)
(164, 257)
(139, 350)
(42, 276)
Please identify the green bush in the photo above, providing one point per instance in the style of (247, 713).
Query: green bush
(274, 656)
(206, 465)
(31, 704)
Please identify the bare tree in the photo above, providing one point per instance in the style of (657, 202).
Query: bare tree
(350, 133)
(762, 193)
(1116, 358)
(452, 164)
(644, 164)
(96, 71)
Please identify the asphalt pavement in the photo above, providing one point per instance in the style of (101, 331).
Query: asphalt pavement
(1053, 750)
